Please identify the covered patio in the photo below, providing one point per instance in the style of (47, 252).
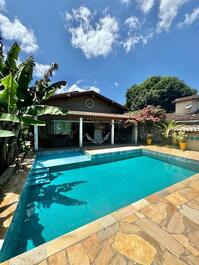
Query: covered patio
(82, 128)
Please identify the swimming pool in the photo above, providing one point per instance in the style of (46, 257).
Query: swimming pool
(76, 195)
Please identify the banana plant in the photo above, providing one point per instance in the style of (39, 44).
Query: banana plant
(19, 103)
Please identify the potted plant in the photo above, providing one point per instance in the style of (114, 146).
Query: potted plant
(182, 139)
(149, 138)
(175, 140)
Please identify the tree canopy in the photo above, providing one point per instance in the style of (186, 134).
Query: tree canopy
(157, 91)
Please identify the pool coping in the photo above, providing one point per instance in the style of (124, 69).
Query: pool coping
(58, 244)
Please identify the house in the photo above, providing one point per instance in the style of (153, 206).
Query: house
(187, 114)
(92, 119)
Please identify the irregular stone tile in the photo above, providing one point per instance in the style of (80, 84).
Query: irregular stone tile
(108, 231)
(152, 198)
(91, 246)
(176, 224)
(139, 205)
(77, 255)
(156, 212)
(33, 256)
(190, 213)
(191, 260)
(175, 187)
(172, 260)
(118, 260)
(124, 212)
(194, 237)
(189, 193)
(193, 204)
(135, 248)
(140, 215)
(185, 242)
(107, 221)
(43, 263)
(105, 254)
(129, 228)
(61, 243)
(195, 185)
(131, 218)
(176, 198)
(59, 258)
(161, 236)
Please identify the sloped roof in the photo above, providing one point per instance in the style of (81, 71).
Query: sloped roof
(186, 117)
(88, 93)
(188, 128)
(99, 114)
(186, 98)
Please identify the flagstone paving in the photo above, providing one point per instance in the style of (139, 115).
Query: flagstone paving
(160, 229)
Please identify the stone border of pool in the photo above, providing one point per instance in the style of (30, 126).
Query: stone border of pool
(62, 247)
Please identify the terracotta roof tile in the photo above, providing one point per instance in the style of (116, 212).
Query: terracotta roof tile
(186, 98)
(183, 117)
(98, 114)
(188, 128)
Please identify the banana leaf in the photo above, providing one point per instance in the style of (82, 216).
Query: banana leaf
(24, 120)
(39, 110)
(5, 134)
(23, 77)
(50, 90)
(12, 57)
(8, 95)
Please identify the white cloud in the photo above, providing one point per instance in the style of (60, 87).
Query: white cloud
(190, 18)
(116, 84)
(146, 5)
(2, 4)
(40, 69)
(129, 43)
(168, 10)
(132, 22)
(93, 39)
(77, 88)
(16, 31)
(125, 1)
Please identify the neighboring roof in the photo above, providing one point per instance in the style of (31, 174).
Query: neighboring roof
(188, 128)
(98, 114)
(87, 93)
(186, 98)
(187, 117)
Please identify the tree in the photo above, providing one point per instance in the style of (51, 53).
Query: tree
(157, 91)
(20, 103)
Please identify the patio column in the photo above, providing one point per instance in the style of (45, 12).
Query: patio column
(136, 134)
(80, 132)
(112, 132)
(36, 145)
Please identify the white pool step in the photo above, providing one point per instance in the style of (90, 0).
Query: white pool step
(36, 182)
(41, 170)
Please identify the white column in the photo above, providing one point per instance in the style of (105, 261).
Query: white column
(136, 134)
(80, 132)
(112, 132)
(36, 145)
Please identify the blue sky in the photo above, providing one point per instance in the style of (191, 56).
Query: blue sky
(106, 45)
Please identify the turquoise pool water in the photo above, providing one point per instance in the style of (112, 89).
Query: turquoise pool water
(78, 196)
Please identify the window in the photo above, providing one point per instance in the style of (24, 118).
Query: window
(61, 127)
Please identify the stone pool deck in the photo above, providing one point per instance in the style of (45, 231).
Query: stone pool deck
(162, 228)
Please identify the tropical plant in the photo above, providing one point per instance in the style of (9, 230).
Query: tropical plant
(182, 137)
(167, 128)
(175, 138)
(20, 102)
(157, 91)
